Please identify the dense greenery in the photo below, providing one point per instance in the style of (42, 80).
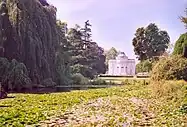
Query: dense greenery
(175, 66)
(27, 109)
(172, 90)
(14, 75)
(77, 59)
(150, 42)
(79, 79)
(63, 58)
(111, 54)
(75, 53)
(171, 68)
(180, 44)
(87, 56)
(144, 66)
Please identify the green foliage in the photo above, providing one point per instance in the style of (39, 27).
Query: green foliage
(150, 42)
(83, 70)
(48, 83)
(166, 88)
(179, 45)
(174, 67)
(96, 59)
(63, 71)
(63, 57)
(99, 82)
(14, 75)
(172, 90)
(144, 66)
(29, 109)
(4, 65)
(87, 56)
(79, 79)
(111, 54)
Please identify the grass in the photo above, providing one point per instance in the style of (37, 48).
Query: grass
(29, 109)
(26, 109)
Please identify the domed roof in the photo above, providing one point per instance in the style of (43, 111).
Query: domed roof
(121, 56)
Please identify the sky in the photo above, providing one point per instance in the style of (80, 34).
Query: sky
(114, 22)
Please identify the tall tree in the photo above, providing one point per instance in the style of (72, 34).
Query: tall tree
(96, 58)
(63, 56)
(181, 43)
(77, 61)
(144, 66)
(86, 32)
(140, 44)
(86, 54)
(150, 42)
(111, 54)
(92, 52)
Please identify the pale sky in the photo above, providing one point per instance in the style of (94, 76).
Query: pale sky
(114, 22)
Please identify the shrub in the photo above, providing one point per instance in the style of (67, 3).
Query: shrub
(175, 90)
(83, 70)
(144, 66)
(135, 81)
(168, 88)
(179, 45)
(99, 82)
(174, 67)
(62, 66)
(48, 83)
(79, 79)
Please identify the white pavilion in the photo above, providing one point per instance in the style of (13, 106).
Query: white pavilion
(122, 66)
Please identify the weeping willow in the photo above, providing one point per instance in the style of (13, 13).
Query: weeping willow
(14, 75)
